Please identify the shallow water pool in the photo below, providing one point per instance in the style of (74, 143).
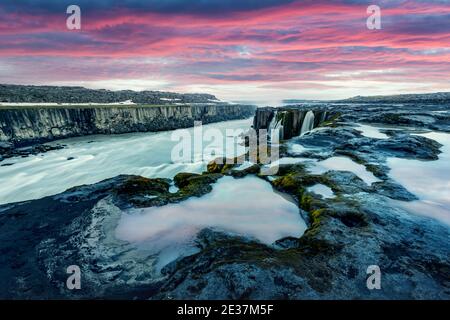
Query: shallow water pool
(428, 180)
(247, 207)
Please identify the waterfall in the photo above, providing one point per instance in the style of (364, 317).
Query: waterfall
(308, 123)
(276, 127)
(273, 122)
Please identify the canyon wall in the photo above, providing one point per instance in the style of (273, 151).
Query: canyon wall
(290, 119)
(29, 125)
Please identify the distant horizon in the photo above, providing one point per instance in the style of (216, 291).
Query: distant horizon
(253, 101)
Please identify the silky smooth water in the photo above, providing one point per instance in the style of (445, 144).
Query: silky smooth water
(371, 131)
(247, 207)
(322, 190)
(428, 180)
(333, 163)
(344, 164)
(308, 123)
(97, 158)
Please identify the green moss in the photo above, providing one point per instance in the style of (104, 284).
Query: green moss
(331, 122)
(214, 167)
(197, 185)
(227, 167)
(182, 179)
(296, 181)
(306, 201)
(287, 183)
(222, 165)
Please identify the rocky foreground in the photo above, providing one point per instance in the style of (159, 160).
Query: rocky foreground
(356, 229)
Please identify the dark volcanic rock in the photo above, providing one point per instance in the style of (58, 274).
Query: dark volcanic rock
(357, 228)
(349, 142)
(30, 125)
(291, 118)
(26, 151)
(39, 239)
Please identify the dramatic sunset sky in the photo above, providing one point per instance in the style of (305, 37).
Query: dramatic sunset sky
(235, 49)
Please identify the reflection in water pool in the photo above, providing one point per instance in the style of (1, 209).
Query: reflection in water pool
(371, 131)
(247, 207)
(428, 180)
(344, 164)
(322, 190)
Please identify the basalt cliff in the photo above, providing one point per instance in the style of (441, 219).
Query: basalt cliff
(36, 114)
(30, 125)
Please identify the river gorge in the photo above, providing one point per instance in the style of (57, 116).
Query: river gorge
(356, 185)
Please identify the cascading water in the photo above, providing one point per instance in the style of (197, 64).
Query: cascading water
(276, 127)
(273, 122)
(308, 123)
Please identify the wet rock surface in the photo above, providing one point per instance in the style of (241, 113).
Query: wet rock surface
(41, 238)
(357, 228)
(7, 150)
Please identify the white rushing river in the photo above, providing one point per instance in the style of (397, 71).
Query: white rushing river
(100, 157)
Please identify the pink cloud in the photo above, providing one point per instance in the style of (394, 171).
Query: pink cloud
(293, 42)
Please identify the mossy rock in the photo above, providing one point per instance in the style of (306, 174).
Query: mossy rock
(297, 180)
(254, 169)
(307, 202)
(182, 179)
(298, 168)
(196, 185)
(377, 171)
(332, 122)
(287, 183)
(136, 185)
(222, 165)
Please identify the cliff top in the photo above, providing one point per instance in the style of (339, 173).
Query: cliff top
(20, 106)
(53, 94)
